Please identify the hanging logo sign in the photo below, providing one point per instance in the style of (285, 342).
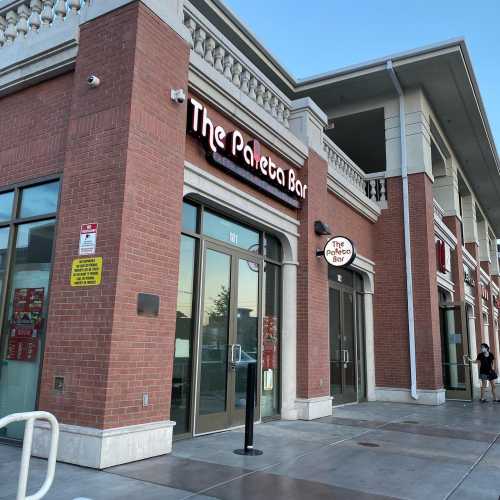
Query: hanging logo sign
(339, 251)
(244, 160)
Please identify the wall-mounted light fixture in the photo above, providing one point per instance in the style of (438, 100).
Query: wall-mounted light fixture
(321, 229)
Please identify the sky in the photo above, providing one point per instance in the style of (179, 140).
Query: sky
(314, 36)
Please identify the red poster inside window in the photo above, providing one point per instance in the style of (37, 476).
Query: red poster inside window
(25, 324)
(270, 342)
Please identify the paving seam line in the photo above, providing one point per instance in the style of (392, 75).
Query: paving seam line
(267, 467)
(471, 468)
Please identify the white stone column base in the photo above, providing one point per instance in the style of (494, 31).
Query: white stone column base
(425, 396)
(97, 448)
(311, 408)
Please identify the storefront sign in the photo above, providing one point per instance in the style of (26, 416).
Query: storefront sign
(88, 239)
(441, 256)
(339, 251)
(86, 272)
(469, 279)
(229, 151)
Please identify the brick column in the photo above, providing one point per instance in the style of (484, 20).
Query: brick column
(473, 249)
(391, 318)
(313, 354)
(124, 170)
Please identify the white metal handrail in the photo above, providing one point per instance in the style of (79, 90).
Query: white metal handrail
(29, 418)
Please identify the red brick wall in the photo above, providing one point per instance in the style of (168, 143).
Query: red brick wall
(33, 130)
(344, 220)
(313, 355)
(142, 349)
(80, 324)
(473, 249)
(390, 303)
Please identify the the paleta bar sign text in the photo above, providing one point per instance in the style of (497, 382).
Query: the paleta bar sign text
(229, 150)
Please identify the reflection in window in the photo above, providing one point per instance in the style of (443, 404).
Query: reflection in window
(39, 200)
(181, 379)
(6, 201)
(270, 399)
(24, 320)
(189, 217)
(214, 335)
(230, 232)
(272, 247)
(4, 245)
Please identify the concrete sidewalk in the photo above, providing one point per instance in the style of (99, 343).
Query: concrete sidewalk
(369, 451)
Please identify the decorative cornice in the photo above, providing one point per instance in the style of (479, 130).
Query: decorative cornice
(468, 259)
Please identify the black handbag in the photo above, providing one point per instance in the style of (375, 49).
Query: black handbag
(492, 375)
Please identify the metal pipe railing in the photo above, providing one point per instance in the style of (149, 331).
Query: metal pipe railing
(29, 418)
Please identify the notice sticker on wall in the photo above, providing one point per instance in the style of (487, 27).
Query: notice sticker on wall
(86, 272)
(88, 239)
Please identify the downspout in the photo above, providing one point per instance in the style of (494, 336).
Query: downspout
(406, 225)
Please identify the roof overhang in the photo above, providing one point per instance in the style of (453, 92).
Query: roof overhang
(445, 74)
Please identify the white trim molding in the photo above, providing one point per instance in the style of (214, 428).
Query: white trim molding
(98, 448)
(311, 408)
(397, 395)
(468, 259)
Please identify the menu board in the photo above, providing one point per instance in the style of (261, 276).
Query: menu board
(25, 324)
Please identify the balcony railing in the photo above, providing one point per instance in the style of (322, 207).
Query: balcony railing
(22, 19)
(224, 57)
(371, 186)
(376, 188)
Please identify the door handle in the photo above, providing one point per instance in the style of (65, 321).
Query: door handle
(238, 350)
(234, 359)
(347, 356)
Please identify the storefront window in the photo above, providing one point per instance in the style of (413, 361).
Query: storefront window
(181, 379)
(189, 217)
(230, 232)
(270, 399)
(6, 202)
(24, 312)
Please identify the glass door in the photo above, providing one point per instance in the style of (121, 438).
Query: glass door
(228, 338)
(455, 352)
(343, 366)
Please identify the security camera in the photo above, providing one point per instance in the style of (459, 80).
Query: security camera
(93, 81)
(178, 95)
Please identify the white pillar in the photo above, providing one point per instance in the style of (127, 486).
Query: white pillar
(369, 346)
(484, 241)
(289, 342)
(472, 345)
(469, 220)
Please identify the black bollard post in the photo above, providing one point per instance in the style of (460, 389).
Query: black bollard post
(249, 412)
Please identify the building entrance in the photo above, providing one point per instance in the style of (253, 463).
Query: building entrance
(347, 373)
(455, 349)
(228, 316)
(229, 336)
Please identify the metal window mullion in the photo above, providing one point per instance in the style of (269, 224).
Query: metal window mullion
(8, 273)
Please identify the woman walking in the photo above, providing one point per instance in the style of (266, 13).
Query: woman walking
(486, 362)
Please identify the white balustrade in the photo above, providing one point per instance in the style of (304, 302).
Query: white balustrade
(31, 16)
(373, 186)
(343, 165)
(376, 188)
(218, 55)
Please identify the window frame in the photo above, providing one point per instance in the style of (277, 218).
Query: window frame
(13, 224)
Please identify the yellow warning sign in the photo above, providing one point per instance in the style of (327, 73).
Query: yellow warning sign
(86, 272)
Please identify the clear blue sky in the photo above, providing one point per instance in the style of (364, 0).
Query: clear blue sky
(314, 36)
